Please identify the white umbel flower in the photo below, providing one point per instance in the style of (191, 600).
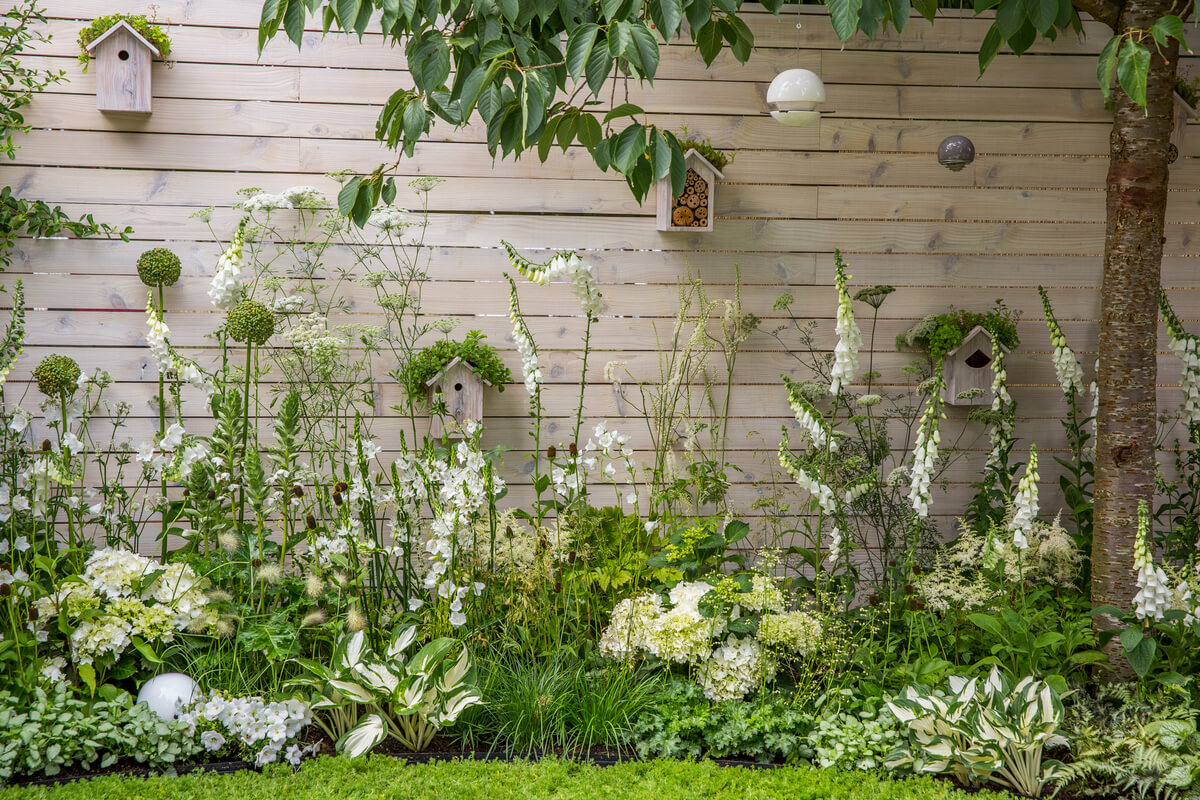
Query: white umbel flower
(845, 354)
(226, 288)
(1025, 506)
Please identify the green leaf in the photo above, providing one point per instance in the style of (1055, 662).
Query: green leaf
(660, 156)
(1133, 66)
(631, 144)
(612, 9)
(620, 37)
(599, 65)
(709, 41)
(579, 48)
(645, 45)
(988, 623)
(990, 46)
(590, 132)
(843, 14)
(347, 13)
(1142, 657)
(293, 22)
(1131, 637)
(668, 16)
(145, 649)
(1010, 16)
(348, 195)
(429, 60)
(511, 9)
(623, 110)
(1167, 28)
(88, 675)
(1043, 14)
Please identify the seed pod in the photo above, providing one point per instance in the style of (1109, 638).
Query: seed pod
(256, 562)
(46, 446)
(574, 450)
(187, 492)
(340, 486)
(211, 495)
(298, 491)
(551, 452)
(337, 498)
(916, 569)
(908, 589)
(33, 614)
(5, 590)
(311, 522)
(916, 604)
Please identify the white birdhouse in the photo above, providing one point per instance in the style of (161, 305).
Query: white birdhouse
(122, 57)
(969, 366)
(693, 209)
(455, 396)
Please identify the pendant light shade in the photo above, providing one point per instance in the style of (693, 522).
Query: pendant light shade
(795, 95)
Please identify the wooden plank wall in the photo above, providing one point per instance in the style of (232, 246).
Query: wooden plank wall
(1030, 209)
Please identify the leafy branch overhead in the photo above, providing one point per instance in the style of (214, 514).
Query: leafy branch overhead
(555, 73)
(534, 72)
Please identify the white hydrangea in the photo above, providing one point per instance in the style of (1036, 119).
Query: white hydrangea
(683, 636)
(1025, 505)
(226, 288)
(764, 595)
(735, 668)
(795, 632)
(630, 628)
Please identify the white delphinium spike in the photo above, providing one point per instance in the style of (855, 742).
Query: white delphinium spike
(1066, 365)
(845, 354)
(1025, 506)
(925, 453)
(226, 288)
(1154, 592)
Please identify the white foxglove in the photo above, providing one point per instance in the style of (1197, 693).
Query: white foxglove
(845, 354)
(1025, 506)
(226, 288)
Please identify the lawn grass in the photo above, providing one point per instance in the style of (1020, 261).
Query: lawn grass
(383, 778)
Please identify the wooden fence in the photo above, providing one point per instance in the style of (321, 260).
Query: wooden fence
(1029, 211)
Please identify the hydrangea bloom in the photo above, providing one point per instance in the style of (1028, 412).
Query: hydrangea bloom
(764, 595)
(845, 354)
(792, 631)
(734, 669)
(1025, 506)
(629, 631)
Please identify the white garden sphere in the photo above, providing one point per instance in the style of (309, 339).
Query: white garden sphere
(167, 693)
(795, 93)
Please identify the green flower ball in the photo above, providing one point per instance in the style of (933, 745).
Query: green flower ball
(250, 321)
(57, 375)
(158, 267)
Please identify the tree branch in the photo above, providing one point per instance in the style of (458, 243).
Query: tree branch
(1105, 11)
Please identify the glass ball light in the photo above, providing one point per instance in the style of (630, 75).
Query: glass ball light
(166, 694)
(795, 95)
(955, 152)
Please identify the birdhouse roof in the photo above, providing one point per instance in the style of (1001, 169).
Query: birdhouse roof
(457, 360)
(978, 330)
(126, 26)
(694, 152)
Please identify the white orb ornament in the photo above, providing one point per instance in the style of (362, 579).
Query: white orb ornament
(795, 94)
(166, 694)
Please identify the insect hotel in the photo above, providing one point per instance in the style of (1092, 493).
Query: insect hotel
(693, 209)
(122, 58)
(455, 396)
(967, 367)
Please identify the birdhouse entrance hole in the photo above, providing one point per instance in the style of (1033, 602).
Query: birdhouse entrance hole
(978, 360)
(123, 55)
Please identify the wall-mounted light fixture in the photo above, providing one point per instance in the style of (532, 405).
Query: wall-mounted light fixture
(955, 152)
(795, 95)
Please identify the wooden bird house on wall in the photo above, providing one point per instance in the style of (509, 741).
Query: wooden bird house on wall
(967, 367)
(693, 209)
(122, 57)
(455, 396)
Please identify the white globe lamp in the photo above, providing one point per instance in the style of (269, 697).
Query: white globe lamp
(166, 694)
(795, 95)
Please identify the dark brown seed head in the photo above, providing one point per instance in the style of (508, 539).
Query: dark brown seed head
(337, 498)
(340, 487)
(908, 588)
(508, 531)
(311, 522)
(551, 452)
(33, 614)
(46, 446)
(298, 491)
(187, 492)
(5, 590)
(916, 604)
(256, 562)
(211, 495)
(916, 568)
(574, 450)
(875, 599)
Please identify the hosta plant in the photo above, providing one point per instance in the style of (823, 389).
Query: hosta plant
(363, 697)
(982, 731)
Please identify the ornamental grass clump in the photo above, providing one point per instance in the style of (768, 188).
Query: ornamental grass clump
(159, 267)
(57, 376)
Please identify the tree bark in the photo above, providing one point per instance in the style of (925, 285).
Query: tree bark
(1138, 174)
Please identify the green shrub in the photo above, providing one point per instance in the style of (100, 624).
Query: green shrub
(433, 359)
(152, 33)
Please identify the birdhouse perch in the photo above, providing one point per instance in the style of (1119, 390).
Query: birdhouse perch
(122, 57)
(455, 396)
(967, 367)
(693, 209)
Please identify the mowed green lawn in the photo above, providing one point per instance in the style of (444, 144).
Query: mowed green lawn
(383, 778)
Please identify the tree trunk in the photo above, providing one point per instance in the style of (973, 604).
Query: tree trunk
(1137, 201)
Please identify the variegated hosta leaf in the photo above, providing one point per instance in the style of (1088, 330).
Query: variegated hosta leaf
(363, 737)
(319, 702)
(453, 676)
(350, 651)
(400, 642)
(457, 703)
(378, 677)
(430, 656)
(354, 691)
